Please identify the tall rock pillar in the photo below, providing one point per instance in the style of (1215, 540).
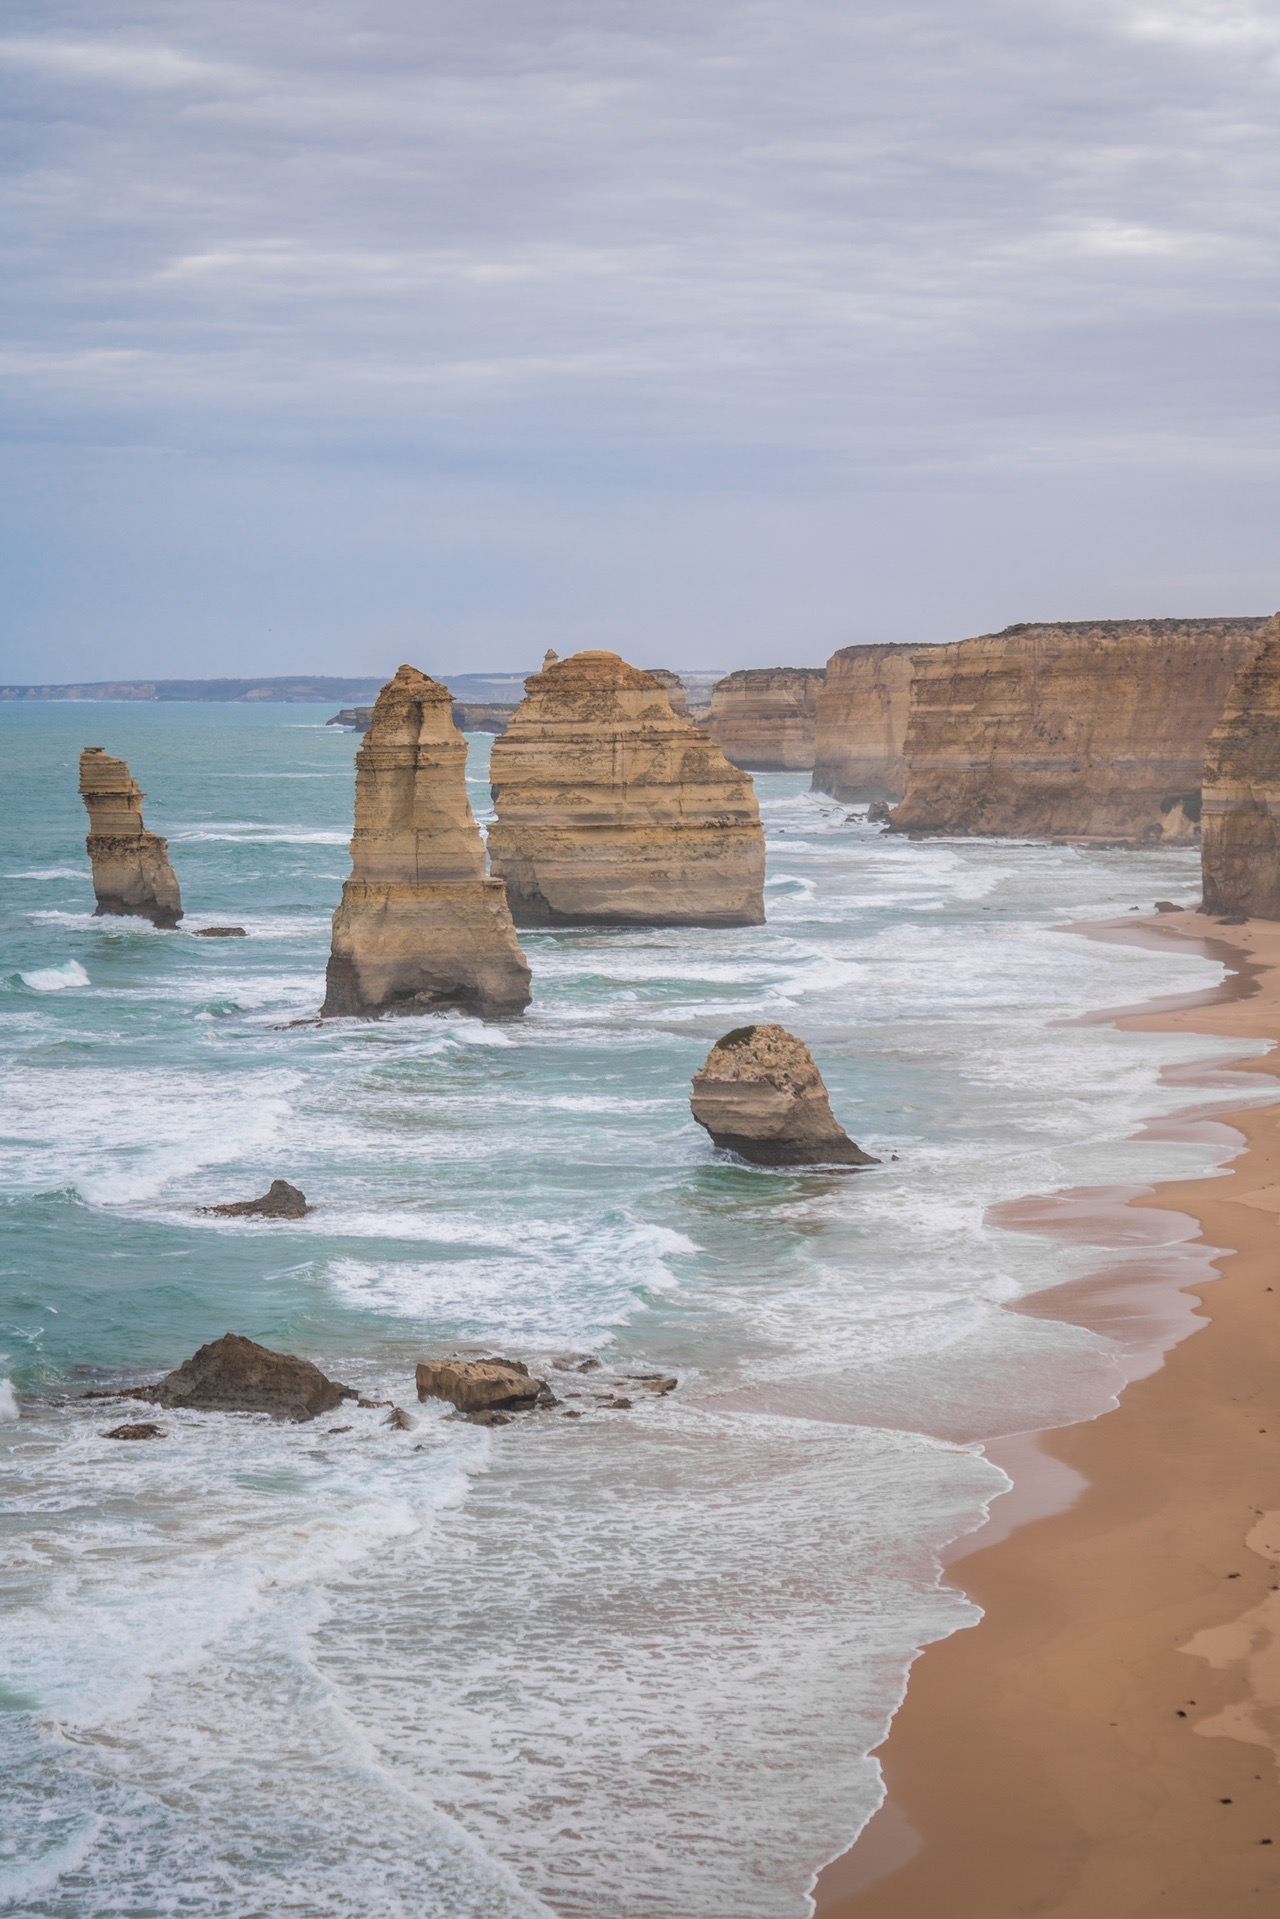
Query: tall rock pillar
(131, 870)
(420, 926)
(614, 810)
(1240, 816)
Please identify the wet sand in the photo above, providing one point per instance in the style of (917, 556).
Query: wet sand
(1105, 1744)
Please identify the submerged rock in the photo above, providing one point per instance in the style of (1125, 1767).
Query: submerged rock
(236, 1375)
(615, 810)
(482, 1385)
(420, 926)
(761, 1096)
(131, 869)
(282, 1201)
(1240, 849)
(219, 932)
(142, 1430)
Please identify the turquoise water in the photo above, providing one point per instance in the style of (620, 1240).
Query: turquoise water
(626, 1664)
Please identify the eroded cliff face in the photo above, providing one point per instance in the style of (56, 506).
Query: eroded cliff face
(673, 686)
(1240, 848)
(131, 869)
(420, 926)
(614, 810)
(1083, 730)
(861, 723)
(764, 717)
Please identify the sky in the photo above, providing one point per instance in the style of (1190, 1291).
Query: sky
(340, 332)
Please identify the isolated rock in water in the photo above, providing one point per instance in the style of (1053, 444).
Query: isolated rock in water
(1083, 730)
(142, 1430)
(1240, 848)
(235, 1375)
(615, 810)
(281, 1202)
(765, 717)
(131, 870)
(358, 718)
(481, 1385)
(860, 723)
(420, 926)
(761, 1096)
(219, 932)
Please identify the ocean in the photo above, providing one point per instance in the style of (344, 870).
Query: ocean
(631, 1664)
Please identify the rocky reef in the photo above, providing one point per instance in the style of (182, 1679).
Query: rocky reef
(764, 718)
(131, 870)
(420, 926)
(615, 810)
(760, 1095)
(861, 723)
(1086, 730)
(1240, 845)
(236, 1375)
(479, 1386)
(280, 1201)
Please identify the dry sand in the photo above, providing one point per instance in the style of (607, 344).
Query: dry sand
(1106, 1743)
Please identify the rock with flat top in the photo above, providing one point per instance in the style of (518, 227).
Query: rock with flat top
(236, 1375)
(131, 870)
(760, 1095)
(219, 932)
(282, 1201)
(481, 1385)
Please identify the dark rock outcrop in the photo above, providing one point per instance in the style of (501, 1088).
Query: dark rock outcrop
(142, 1429)
(1240, 847)
(421, 926)
(236, 1375)
(131, 870)
(760, 1095)
(219, 933)
(282, 1201)
(482, 1385)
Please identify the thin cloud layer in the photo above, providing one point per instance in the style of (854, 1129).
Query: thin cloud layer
(731, 255)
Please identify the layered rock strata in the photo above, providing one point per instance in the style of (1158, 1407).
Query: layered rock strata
(760, 1095)
(765, 718)
(131, 869)
(1081, 731)
(860, 725)
(420, 926)
(676, 690)
(614, 810)
(1240, 846)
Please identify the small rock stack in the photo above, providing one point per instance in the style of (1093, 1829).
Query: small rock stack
(131, 869)
(760, 1095)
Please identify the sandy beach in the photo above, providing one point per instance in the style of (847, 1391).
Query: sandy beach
(1105, 1744)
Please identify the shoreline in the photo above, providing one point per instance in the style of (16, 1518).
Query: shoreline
(1069, 1755)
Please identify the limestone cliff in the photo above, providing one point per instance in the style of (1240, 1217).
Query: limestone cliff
(614, 810)
(673, 685)
(131, 870)
(760, 1095)
(1240, 847)
(764, 717)
(1083, 730)
(420, 926)
(861, 723)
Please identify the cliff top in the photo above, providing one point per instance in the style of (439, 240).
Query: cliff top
(762, 675)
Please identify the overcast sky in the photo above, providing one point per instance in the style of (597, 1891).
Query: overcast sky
(337, 332)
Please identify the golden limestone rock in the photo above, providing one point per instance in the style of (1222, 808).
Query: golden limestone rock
(614, 810)
(1087, 730)
(764, 717)
(1240, 846)
(861, 723)
(676, 690)
(760, 1095)
(131, 870)
(420, 926)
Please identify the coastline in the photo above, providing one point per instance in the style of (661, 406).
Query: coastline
(1105, 1743)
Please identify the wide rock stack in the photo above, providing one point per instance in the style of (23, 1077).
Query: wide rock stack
(420, 926)
(1240, 846)
(1087, 730)
(614, 810)
(131, 870)
(760, 1095)
(860, 723)
(765, 717)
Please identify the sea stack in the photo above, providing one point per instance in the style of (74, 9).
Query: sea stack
(613, 810)
(861, 723)
(761, 1096)
(131, 870)
(1083, 730)
(1240, 847)
(420, 926)
(764, 717)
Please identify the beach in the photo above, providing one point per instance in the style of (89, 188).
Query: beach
(1104, 1744)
